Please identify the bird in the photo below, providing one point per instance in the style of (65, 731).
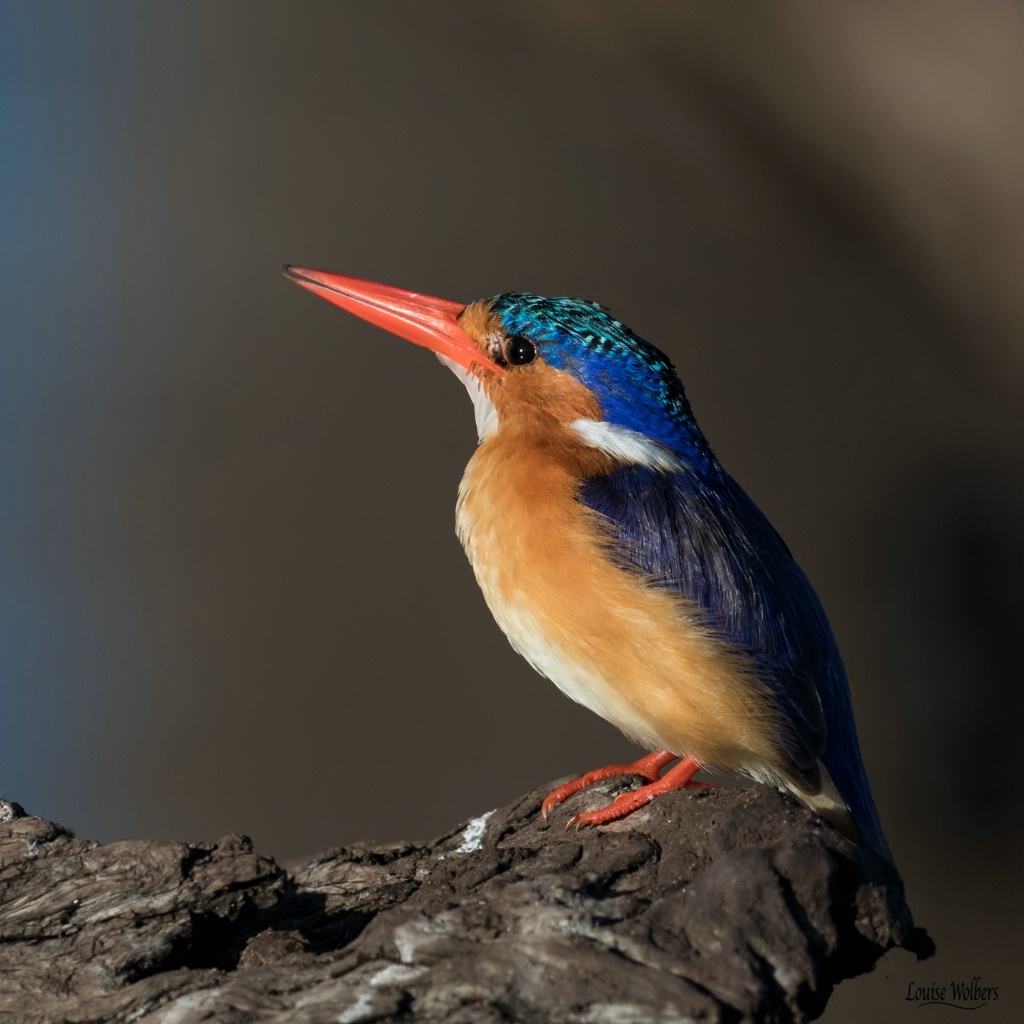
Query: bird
(622, 561)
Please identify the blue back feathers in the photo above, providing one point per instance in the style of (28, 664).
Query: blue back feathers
(706, 539)
(709, 542)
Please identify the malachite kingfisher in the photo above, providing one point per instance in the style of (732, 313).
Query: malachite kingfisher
(623, 562)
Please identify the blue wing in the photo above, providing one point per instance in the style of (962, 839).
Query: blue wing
(701, 535)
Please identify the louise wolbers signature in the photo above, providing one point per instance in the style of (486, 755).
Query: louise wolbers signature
(964, 995)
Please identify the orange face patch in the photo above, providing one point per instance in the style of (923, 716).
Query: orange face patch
(536, 397)
(483, 327)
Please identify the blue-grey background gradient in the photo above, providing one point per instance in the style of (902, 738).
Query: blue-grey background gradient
(231, 598)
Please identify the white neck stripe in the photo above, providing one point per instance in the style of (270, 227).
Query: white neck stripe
(626, 444)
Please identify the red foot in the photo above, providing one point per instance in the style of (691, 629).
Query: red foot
(649, 767)
(679, 777)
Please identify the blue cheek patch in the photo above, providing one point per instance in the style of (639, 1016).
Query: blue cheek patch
(633, 382)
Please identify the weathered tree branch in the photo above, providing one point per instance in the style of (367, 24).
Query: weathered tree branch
(716, 905)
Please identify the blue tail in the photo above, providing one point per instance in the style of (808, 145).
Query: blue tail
(843, 761)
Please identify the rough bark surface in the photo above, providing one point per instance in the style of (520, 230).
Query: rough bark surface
(710, 905)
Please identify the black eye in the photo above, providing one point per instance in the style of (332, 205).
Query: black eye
(519, 351)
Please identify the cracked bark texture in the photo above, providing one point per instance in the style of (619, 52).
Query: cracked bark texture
(710, 905)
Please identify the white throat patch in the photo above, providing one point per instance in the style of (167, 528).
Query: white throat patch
(483, 408)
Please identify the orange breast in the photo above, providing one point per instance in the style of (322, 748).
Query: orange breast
(635, 654)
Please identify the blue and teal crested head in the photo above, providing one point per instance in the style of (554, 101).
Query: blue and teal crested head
(633, 383)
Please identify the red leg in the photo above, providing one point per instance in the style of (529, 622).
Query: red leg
(679, 777)
(649, 767)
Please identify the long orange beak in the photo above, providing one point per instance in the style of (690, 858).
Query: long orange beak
(421, 319)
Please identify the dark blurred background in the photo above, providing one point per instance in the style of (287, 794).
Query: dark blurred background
(231, 597)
